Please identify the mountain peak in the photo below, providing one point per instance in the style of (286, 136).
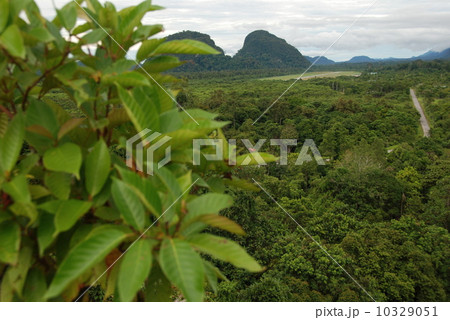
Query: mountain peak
(361, 59)
(263, 49)
(194, 35)
(321, 61)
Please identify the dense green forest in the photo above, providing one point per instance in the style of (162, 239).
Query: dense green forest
(81, 220)
(381, 205)
(83, 216)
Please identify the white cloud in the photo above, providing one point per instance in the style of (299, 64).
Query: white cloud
(398, 28)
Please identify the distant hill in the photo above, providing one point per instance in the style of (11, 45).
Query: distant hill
(434, 55)
(194, 35)
(428, 56)
(201, 62)
(323, 61)
(361, 59)
(263, 50)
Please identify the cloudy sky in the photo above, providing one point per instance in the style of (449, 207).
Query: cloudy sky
(391, 28)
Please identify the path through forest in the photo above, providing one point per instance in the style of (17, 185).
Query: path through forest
(423, 120)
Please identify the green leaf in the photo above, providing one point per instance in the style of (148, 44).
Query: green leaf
(6, 288)
(38, 191)
(4, 120)
(41, 34)
(158, 288)
(226, 250)
(183, 267)
(10, 241)
(40, 113)
(221, 222)
(28, 163)
(249, 160)
(161, 64)
(216, 184)
(168, 110)
(59, 184)
(145, 32)
(35, 286)
(112, 281)
(68, 126)
(131, 17)
(66, 72)
(11, 143)
(17, 6)
(108, 17)
(42, 126)
(12, 41)
(94, 36)
(82, 28)
(4, 14)
(107, 213)
(27, 209)
(139, 116)
(68, 15)
(144, 189)
(65, 158)
(185, 181)
(134, 269)
(211, 275)
(17, 188)
(117, 117)
(241, 184)
(140, 109)
(172, 186)
(127, 79)
(80, 233)
(40, 130)
(184, 46)
(210, 203)
(94, 5)
(147, 47)
(97, 168)
(17, 273)
(60, 41)
(83, 256)
(67, 212)
(128, 204)
(45, 233)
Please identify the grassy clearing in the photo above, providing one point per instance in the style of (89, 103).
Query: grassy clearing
(313, 75)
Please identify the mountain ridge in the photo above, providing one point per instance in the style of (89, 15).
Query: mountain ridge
(261, 50)
(264, 50)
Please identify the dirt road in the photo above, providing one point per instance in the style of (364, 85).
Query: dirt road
(423, 120)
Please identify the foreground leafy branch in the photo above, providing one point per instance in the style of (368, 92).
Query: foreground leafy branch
(72, 213)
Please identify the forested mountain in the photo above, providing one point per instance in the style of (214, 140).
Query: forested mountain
(323, 61)
(264, 50)
(195, 63)
(428, 56)
(361, 59)
(261, 50)
(433, 55)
